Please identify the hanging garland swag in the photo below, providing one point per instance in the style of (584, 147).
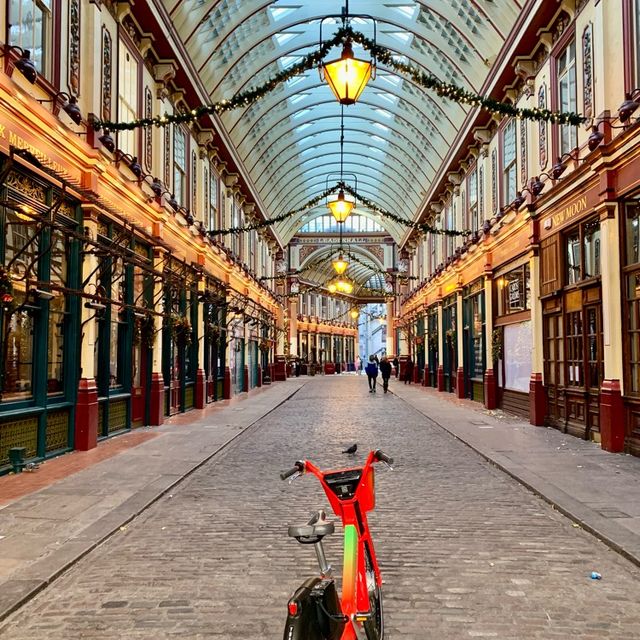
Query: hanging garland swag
(425, 80)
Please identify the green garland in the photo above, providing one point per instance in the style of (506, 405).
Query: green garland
(421, 226)
(270, 221)
(312, 60)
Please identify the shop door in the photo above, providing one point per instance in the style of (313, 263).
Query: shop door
(238, 377)
(554, 368)
(175, 386)
(449, 360)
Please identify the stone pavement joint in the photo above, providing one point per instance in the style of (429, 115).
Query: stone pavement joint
(22, 582)
(517, 439)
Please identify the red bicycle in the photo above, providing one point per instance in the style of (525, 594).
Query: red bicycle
(314, 611)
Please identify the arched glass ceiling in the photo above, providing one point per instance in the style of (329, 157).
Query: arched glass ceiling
(396, 136)
(364, 272)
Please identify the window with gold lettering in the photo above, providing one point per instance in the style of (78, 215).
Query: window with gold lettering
(582, 252)
(514, 291)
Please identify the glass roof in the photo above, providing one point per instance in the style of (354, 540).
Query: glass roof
(396, 136)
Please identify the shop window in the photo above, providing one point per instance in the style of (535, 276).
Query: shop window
(567, 95)
(179, 165)
(213, 200)
(127, 97)
(509, 163)
(582, 252)
(472, 189)
(518, 343)
(477, 335)
(57, 314)
(514, 291)
(30, 28)
(632, 282)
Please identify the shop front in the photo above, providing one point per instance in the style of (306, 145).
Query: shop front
(512, 337)
(474, 340)
(571, 295)
(40, 258)
(432, 350)
(215, 351)
(450, 349)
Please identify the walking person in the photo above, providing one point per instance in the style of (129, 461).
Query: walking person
(359, 365)
(372, 374)
(396, 364)
(385, 372)
(408, 372)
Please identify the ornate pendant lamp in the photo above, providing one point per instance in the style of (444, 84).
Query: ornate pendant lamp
(340, 208)
(355, 313)
(340, 264)
(347, 76)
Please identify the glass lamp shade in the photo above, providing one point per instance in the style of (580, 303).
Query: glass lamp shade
(340, 208)
(355, 313)
(340, 265)
(344, 286)
(347, 77)
(333, 287)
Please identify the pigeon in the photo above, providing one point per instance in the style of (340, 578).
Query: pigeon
(351, 450)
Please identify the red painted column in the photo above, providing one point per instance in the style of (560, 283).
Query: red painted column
(226, 384)
(440, 377)
(200, 395)
(245, 378)
(490, 391)
(460, 383)
(416, 374)
(156, 401)
(612, 422)
(537, 400)
(259, 375)
(280, 369)
(86, 427)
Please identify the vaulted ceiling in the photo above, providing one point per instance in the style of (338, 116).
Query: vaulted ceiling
(398, 133)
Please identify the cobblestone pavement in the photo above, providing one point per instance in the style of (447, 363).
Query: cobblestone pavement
(466, 552)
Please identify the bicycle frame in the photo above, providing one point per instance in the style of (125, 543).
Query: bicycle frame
(357, 542)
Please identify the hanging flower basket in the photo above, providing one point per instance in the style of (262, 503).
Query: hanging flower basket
(6, 287)
(265, 346)
(212, 332)
(419, 340)
(180, 328)
(497, 343)
(450, 336)
(433, 342)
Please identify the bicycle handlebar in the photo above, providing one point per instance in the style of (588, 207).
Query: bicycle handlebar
(298, 468)
(383, 457)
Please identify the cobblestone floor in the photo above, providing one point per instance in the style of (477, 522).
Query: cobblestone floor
(466, 552)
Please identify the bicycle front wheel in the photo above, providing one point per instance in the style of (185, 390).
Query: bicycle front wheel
(374, 625)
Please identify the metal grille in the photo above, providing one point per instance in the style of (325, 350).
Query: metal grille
(57, 431)
(19, 433)
(117, 415)
(188, 398)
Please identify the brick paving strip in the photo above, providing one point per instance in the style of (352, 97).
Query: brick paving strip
(50, 519)
(596, 489)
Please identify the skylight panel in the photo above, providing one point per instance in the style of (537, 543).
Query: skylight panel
(384, 113)
(408, 10)
(299, 114)
(282, 38)
(297, 97)
(289, 61)
(296, 79)
(381, 126)
(391, 79)
(376, 150)
(403, 36)
(302, 127)
(277, 13)
(308, 151)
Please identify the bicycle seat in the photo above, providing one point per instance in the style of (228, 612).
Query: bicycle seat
(313, 531)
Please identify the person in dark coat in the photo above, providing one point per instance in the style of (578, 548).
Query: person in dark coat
(385, 372)
(408, 371)
(396, 364)
(372, 374)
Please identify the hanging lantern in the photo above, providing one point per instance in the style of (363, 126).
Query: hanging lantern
(340, 264)
(347, 77)
(333, 287)
(340, 208)
(355, 313)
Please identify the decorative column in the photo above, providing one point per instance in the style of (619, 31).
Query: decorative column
(612, 417)
(156, 400)
(391, 338)
(441, 345)
(537, 396)
(460, 390)
(490, 381)
(200, 398)
(86, 419)
(293, 327)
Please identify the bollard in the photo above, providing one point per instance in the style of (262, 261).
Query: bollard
(16, 457)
